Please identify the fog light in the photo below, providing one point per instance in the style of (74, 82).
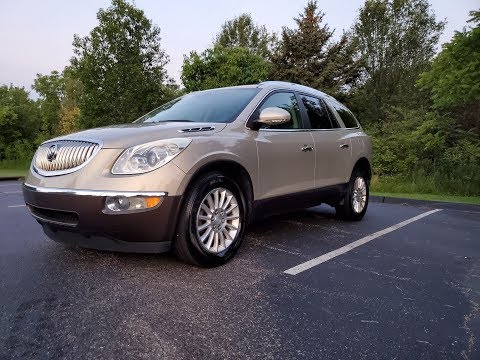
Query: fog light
(118, 204)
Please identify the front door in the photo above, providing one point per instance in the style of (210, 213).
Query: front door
(286, 152)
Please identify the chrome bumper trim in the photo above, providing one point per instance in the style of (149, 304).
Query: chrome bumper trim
(86, 192)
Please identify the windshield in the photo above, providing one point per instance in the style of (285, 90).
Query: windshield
(214, 106)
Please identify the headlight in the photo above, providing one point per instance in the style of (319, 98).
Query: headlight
(147, 157)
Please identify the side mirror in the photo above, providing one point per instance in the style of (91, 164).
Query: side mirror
(272, 116)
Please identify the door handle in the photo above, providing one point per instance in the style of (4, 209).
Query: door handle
(307, 148)
(344, 146)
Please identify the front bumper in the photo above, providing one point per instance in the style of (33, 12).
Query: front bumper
(76, 217)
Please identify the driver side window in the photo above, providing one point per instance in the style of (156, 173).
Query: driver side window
(286, 101)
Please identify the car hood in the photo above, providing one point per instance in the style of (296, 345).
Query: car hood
(124, 136)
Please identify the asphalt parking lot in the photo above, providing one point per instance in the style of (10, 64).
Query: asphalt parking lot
(407, 293)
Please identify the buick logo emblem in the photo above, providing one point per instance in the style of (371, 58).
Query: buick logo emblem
(52, 153)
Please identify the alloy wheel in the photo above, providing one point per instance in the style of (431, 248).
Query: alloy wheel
(359, 198)
(218, 220)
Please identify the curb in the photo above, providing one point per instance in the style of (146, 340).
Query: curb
(12, 178)
(429, 203)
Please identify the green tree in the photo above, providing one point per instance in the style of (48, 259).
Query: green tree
(219, 67)
(243, 32)
(50, 88)
(69, 117)
(121, 67)
(18, 123)
(397, 39)
(454, 77)
(60, 94)
(308, 55)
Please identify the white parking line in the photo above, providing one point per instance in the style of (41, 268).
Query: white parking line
(332, 254)
(10, 192)
(14, 206)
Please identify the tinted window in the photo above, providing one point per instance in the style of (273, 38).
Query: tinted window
(284, 100)
(332, 117)
(317, 112)
(215, 106)
(346, 116)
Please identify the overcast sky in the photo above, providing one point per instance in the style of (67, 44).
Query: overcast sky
(36, 36)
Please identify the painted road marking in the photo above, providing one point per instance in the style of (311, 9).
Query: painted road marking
(10, 192)
(332, 254)
(14, 206)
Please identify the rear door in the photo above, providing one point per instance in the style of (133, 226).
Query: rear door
(351, 130)
(332, 145)
(286, 152)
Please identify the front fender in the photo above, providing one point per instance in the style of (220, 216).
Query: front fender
(204, 151)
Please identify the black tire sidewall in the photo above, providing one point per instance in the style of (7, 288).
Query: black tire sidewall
(346, 210)
(200, 189)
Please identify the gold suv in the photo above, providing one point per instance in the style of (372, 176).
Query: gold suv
(191, 174)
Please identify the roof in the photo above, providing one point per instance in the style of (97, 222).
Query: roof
(293, 86)
(278, 85)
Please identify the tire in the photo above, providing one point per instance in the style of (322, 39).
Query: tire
(350, 208)
(194, 243)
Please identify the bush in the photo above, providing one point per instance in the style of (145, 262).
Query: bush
(20, 150)
(416, 151)
(427, 183)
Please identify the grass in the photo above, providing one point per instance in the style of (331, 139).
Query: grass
(10, 173)
(475, 200)
(432, 188)
(14, 168)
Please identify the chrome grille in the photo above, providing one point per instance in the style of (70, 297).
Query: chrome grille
(63, 156)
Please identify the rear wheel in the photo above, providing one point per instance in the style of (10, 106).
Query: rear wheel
(354, 205)
(212, 221)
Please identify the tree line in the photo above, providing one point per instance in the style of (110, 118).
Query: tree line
(420, 105)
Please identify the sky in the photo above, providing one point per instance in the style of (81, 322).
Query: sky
(36, 36)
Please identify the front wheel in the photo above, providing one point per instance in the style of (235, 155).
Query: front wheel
(212, 221)
(354, 205)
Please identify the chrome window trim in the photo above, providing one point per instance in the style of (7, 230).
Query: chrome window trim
(326, 99)
(303, 130)
(286, 130)
(87, 192)
(66, 171)
(332, 129)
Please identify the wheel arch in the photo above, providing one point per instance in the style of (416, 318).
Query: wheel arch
(233, 170)
(364, 164)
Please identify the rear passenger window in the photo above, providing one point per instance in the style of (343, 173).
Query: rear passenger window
(346, 116)
(333, 118)
(317, 112)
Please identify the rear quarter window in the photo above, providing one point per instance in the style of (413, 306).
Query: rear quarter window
(346, 115)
